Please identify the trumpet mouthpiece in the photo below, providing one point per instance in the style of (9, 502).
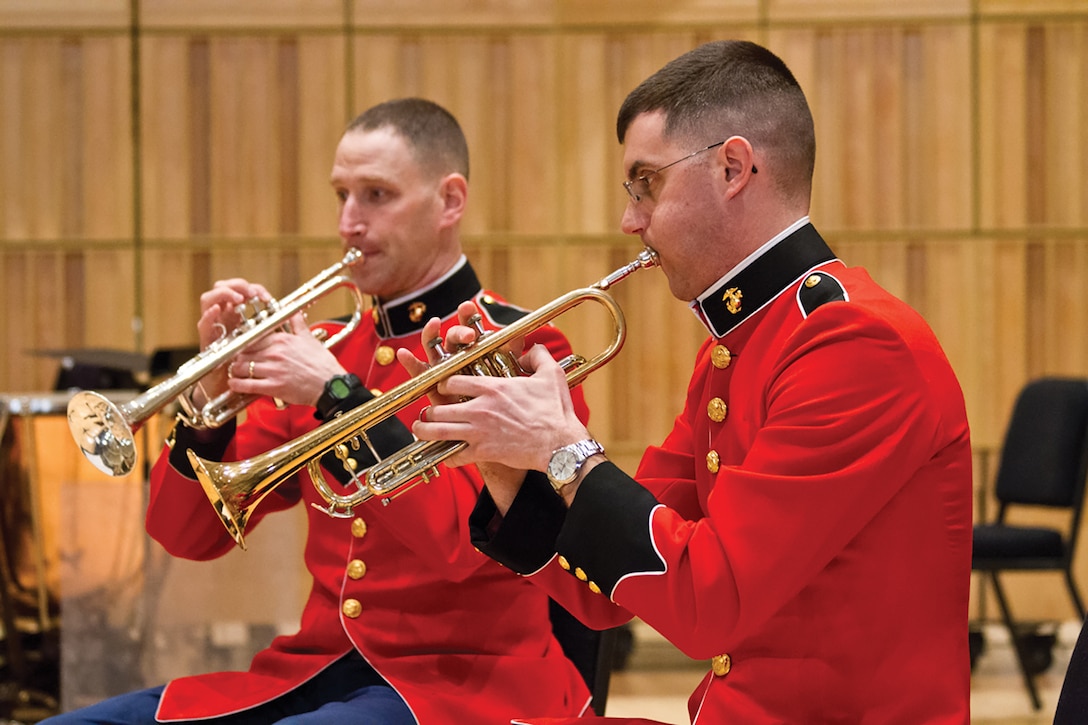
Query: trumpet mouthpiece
(645, 259)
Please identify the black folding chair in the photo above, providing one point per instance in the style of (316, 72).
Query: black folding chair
(1043, 463)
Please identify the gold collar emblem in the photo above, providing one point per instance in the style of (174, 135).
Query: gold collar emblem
(416, 310)
(732, 298)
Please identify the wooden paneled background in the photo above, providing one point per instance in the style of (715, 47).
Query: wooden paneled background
(149, 147)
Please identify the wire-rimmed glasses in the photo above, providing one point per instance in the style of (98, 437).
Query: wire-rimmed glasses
(640, 187)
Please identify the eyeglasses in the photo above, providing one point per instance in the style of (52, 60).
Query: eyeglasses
(640, 187)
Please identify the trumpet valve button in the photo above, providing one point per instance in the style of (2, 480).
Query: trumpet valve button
(435, 343)
(477, 322)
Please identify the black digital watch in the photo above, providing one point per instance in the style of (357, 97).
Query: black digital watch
(337, 390)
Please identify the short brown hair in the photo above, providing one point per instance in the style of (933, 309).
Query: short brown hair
(433, 133)
(727, 88)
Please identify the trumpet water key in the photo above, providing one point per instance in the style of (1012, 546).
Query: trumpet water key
(106, 432)
(236, 488)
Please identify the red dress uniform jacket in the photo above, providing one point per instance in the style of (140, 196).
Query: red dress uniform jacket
(460, 638)
(806, 525)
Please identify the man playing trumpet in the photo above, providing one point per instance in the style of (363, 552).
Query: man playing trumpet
(806, 525)
(406, 622)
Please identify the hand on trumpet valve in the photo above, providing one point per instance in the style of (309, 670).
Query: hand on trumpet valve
(290, 367)
(513, 421)
(223, 309)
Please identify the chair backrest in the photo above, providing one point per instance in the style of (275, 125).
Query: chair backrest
(1044, 459)
(590, 650)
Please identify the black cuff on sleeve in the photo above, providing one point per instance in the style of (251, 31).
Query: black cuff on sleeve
(387, 437)
(209, 443)
(523, 540)
(607, 531)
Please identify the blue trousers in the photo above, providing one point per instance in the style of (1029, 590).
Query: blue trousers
(348, 692)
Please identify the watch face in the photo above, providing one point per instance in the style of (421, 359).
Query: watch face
(563, 465)
(339, 388)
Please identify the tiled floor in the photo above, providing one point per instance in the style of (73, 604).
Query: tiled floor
(658, 679)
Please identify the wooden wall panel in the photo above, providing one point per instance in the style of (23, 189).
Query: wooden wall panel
(244, 143)
(1033, 108)
(453, 13)
(90, 15)
(293, 15)
(66, 164)
(66, 185)
(167, 119)
(1002, 126)
(588, 157)
(909, 164)
(1028, 8)
(60, 300)
(170, 286)
(531, 191)
(1064, 312)
(244, 146)
(619, 13)
(103, 132)
(530, 14)
(1064, 144)
(824, 11)
(951, 164)
(321, 118)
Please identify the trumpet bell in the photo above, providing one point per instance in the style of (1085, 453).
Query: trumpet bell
(233, 513)
(101, 431)
(233, 494)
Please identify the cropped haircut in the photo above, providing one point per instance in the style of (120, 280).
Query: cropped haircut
(733, 88)
(434, 135)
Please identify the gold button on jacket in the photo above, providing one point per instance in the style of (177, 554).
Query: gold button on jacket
(352, 608)
(385, 355)
(357, 569)
(713, 461)
(358, 528)
(716, 410)
(721, 357)
(721, 664)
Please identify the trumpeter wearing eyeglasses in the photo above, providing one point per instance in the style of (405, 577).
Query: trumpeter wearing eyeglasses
(806, 525)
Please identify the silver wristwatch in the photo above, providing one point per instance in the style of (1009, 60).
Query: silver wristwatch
(567, 461)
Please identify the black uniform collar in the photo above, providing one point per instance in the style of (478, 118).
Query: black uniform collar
(408, 314)
(737, 296)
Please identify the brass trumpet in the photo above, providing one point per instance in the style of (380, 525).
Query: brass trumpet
(235, 489)
(106, 432)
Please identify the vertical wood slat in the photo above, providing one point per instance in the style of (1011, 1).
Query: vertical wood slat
(322, 116)
(1002, 126)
